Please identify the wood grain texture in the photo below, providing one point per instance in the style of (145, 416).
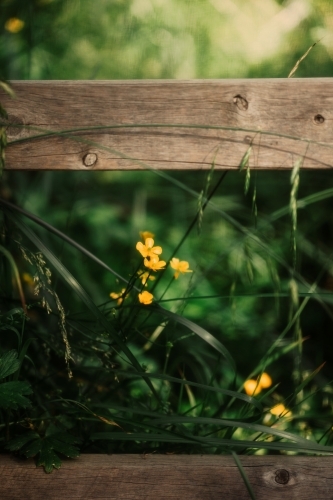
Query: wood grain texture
(301, 108)
(152, 477)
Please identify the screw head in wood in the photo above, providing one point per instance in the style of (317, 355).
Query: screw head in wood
(89, 159)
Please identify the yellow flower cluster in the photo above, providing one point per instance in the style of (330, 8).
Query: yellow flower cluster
(253, 387)
(151, 255)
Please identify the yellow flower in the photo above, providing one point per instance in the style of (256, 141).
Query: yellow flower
(146, 234)
(251, 387)
(119, 296)
(265, 381)
(144, 276)
(14, 25)
(148, 249)
(146, 297)
(154, 263)
(180, 266)
(280, 411)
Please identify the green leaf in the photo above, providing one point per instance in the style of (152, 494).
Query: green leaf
(12, 395)
(45, 449)
(33, 447)
(244, 476)
(48, 459)
(9, 363)
(63, 447)
(18, 442)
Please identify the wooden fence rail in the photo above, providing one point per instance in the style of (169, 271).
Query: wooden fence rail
(159, 477)
(170, 124)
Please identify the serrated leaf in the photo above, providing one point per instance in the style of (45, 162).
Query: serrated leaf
(60, 446)
(32, 448)
(46, 449)
(12, 395)
(48, 459)
(62, 436)
(9, 363)
(18, 442)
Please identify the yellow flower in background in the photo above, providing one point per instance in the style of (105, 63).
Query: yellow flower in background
(119, 297)
(146, 234)
(148, 249)
(145, 276)
(146, 297)
(180, 266)
(154, 263)
(265, 381)
(251, 387)
(280, 411)
(14, 25)
(28, 279)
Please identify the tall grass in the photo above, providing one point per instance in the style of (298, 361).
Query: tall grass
(102, 363)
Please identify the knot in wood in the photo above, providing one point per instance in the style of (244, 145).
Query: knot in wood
(241, 102)
(282, 476)
(14, 124)
(319, 119)
(89, 159)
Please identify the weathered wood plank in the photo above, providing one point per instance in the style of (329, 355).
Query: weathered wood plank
(152, 477)
(301, 108)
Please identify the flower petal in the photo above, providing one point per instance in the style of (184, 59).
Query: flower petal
(149, 243)
(146, 234)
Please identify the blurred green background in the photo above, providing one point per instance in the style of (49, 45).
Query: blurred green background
(104, 211)
(126, 39)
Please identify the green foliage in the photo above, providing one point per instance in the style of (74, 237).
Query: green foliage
(73, 39)
(46, 448)
(9, 364)
(12, 394)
